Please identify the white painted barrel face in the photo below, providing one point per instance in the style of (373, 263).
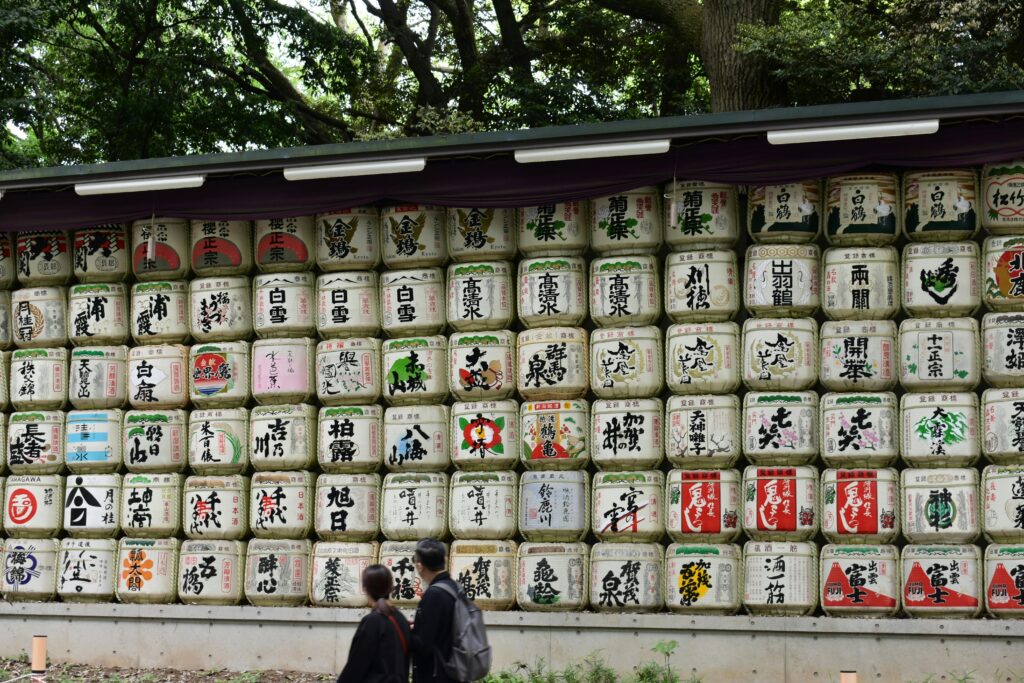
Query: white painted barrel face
(940, 205)
(160, 312)
(553, 577)
(627, 362)
(780, 354)
(29, 569)
(101, 253)
(1003, 274)
(863, 209)
(347, 507)
(283, 305)
(780, 503)
(416, 438)
(626, 577)
(781, 428)
(282, 437)
(97, 314)
(92, 505)
(216, 508)
(98, 377)
(147, 570)
(1003, 414)
(555, 434)
(336, 573)
(860, 580)
(703, 578)
(942, 581)
(413, 236)
(7, 261)
(703, 431)
(780, 578)
(627, 434)
(151, 505)
(554, 506)
(939, 354)
(351, 439)
(158, 376)
(1002, 185)
(480, 296)
(39, 379)
(860, 283)
(940, 429)
(782, 280)
(628, 507)
(283, 371)
(941, 279)
(554, 229)
(703, 358)
(941, 505)
(552, 291)
(281, 504)
(348, 304)
(285, 244)
(481, 365)
(277, 572)
(412, 302)
(788, 213)
(218, 441)
(5, 315)
(219, 374)
(414, 505)
(624, 291)
(87, 569)
(1002, 493)
(859, 356)
(703, 506)
(220, 308)
(35, 442)
(348, 371)
(859, 430)
(860, 506)
(479, 234)
(155, 441)
(415, 370)
(702, 286)
(221, 247)
(483, 505)
(701, 214)
(1004, 594)
(484, 434)
(629, 222)
(348, 239)
(160, 249)
(407, 587)
(553, 363)
(39, 317)
(43, 257)
(1002, 341)
(211, 572)
(486, 571)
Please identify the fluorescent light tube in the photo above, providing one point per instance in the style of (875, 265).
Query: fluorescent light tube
(614, 149)
(355, 169)
(178, 182)
(796, 136)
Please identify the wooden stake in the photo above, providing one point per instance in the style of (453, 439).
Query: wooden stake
(847, 677)
(38, 659)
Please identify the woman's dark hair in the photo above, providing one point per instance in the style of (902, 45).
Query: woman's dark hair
(377, 584)
(430, 553)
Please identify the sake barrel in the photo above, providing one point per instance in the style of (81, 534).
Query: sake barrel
(413, 236)
(414, 506)
(412, 302)
(703, 578)
(93, 441)
(860, 581)
(939, 354)
(221, 308)
(97, 314)
(5, 315)
(1003, 411)
(861, 283)
(486, 571)
(350, 439)
(43, 258)
(863, 209)
(147, 570)
(553, 363)
(484, 434)
(553, 577)
(221, 247)
(940, 429)
(160, 248)
(40, 317)
(155, 440)
(624, 291)
(151, 505)
(285, 244)
(702, 286)
(218, 441)
(940, 505)
(626, 577)
(859, 430)
(348, 304)
(940, 205)
(554, 505)
(100, 253)
(780, 503)
(626, 362)
(483, 505)
(216, 508)
(35, 442)
(39, 379)
(1002, 494)
(211, 572)
(415, 370)
(7, 261)
(282, 370)
(1003, 189)
(348, 371)
(283, 305)
(3, 450)
(942, 581)
(478, 234)
(702, 505)
(782, 280)
(1004, 273)
(560, 228)
(98, 377)
(157, 376)
(282, 437)
(481, 365)
(781, 428)
(480, 296)
(407, 588)
(349, 239)
(941, 279)
(780, 578)
(780, 354)
(788, 213)
(554, 434)
(87, 569)
(416, 438)
(336, 573)
(1003, 352)
(219, 374)
(701, 214)
(627, 506)
(858, 356)
(347, 507)
(860, 506)
(29, 570)
(277, 572)
(279, 504)
(627, 434)
(160, 312)
(703, 431)
(552, 291)
(1004, 594)
(703, 358)
(33, 505)
(628, 222)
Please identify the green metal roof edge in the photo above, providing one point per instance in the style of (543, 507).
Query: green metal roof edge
(469, 144)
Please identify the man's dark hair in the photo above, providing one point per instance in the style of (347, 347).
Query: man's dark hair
(430, 553)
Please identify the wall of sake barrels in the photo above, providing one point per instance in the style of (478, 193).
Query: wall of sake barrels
(796, 399)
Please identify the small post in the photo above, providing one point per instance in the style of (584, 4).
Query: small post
(847, 677)
(38, 659)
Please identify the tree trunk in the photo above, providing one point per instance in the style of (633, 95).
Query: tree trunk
(737, 81)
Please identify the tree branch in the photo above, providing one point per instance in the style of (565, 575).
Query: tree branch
(512, 38)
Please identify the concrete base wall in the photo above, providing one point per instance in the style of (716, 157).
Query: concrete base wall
(798, 649)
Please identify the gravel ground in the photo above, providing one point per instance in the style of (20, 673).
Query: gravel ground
(80, 673)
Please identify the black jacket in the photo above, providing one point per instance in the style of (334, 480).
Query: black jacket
(432, 635)
(376, 655)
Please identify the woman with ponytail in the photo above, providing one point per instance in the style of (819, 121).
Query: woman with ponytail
(380, 647)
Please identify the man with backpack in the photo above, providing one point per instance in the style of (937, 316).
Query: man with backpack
(449, 640)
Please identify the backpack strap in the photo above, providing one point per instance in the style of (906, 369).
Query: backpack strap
(448, 589)
(401, 638)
